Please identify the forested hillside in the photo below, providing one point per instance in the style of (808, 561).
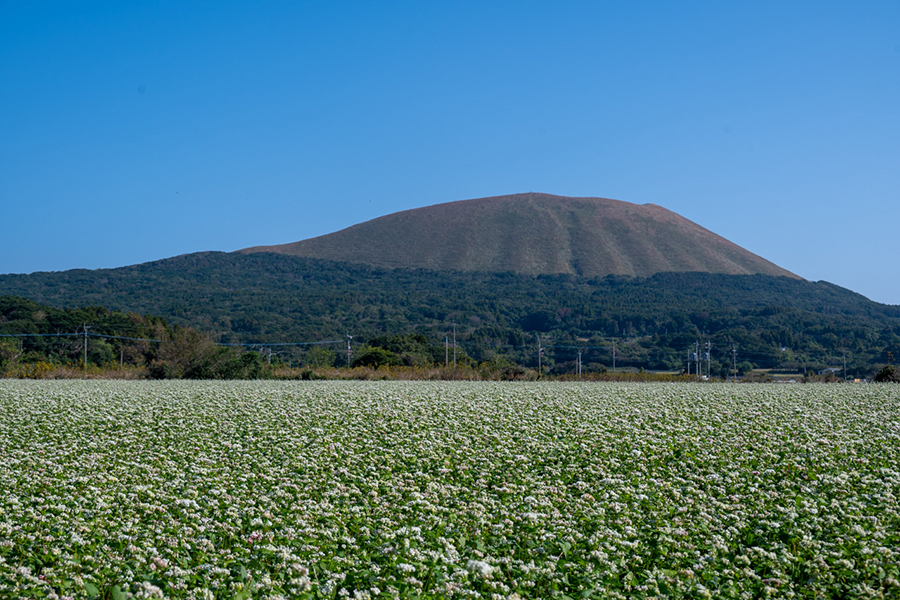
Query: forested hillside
(655, 322)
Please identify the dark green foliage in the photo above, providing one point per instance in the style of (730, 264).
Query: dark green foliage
(413, 350)
(888, 374)
(134, 340)
(775, 322)
(542, 321)
(320, 357)
(225, 363)
(21, 316)
(189, 354)
(501, 367)
(9, 352)
(744, 367)
(372, 357)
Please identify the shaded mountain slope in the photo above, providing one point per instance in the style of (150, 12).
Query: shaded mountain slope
(266, 297)
(535, 234)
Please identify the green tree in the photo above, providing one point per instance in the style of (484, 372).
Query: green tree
(320, 357)
(187, 353)
(413, 350)
(100, 352)
(369, 356)
(744, 367)
(888, 374)
(9, 353)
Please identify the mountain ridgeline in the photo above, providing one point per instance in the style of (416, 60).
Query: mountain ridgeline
(535, 234)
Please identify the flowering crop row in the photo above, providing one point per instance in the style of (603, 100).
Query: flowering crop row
(447, 490)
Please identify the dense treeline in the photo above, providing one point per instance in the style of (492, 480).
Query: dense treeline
(773, 322)
(37, 339)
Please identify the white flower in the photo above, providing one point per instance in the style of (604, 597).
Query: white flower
(479, 567)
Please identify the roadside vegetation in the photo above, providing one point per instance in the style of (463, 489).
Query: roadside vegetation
(48, 343)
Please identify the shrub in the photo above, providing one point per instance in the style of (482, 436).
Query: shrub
(369, 356)
(889, 374)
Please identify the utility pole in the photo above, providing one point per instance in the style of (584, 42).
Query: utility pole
(349, 351)
(579, 363)
(85, 328)
(454, 346)
(734, 362)
(708, 352)
(614, 356)
(446, 351)
(697, 357)
(540, 354)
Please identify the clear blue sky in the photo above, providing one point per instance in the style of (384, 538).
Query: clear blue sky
(131, 132)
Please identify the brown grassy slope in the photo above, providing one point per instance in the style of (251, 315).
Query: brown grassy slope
(535, 234)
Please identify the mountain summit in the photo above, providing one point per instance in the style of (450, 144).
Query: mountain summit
(535, 234)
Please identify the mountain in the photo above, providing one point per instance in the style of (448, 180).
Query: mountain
(535, 234)
(505, 273)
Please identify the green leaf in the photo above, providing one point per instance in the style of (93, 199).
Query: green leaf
(91, 589)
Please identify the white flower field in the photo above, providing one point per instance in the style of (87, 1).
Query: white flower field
(448, 490)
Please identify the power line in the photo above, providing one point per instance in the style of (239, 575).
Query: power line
(268, 344)
(80, 334)
(120, 337)
(761, 355)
